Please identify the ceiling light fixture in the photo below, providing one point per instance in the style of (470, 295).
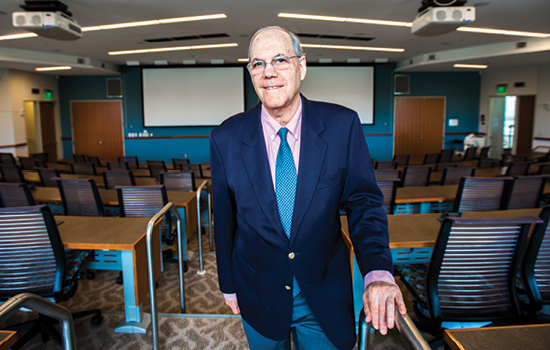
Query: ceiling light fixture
(242, 60)
(477, 66)
(346, 19)
(502, 32)
(17, 36)
(360, 48)
(166, 49)
(153, 22)
(45, 69)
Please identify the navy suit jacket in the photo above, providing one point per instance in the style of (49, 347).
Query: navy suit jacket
(253, 252)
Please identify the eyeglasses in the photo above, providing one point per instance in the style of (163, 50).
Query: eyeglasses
(280, 62)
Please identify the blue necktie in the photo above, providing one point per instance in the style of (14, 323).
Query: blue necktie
(285, 189)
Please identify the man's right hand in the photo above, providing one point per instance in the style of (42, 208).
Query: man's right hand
(234, 305)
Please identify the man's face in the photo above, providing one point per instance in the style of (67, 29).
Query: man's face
(279, 90)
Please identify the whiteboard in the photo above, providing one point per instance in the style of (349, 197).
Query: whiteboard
(352, 87)
(191, 96)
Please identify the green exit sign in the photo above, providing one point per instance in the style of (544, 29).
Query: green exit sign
(502, 89)
(48, 95)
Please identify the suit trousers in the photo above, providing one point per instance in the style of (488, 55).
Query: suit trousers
(306, 332)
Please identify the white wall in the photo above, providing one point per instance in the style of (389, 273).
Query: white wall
(16, 88)
(537, 83)
(542, 107)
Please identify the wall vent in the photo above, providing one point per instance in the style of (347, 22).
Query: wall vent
(521, 45)
(402, 85)
(114, 87)
(431, 57)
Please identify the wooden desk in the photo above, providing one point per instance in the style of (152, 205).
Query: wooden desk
(7, 339)
(532, 337)
(34, 177)
(124, 239)
(181, 199)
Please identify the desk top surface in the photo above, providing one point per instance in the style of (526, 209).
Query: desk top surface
(86, 232)
(421, 230)
(109, 197)
(7, 339)
(532, 337)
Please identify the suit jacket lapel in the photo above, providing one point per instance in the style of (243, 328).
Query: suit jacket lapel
(312, 155)
(254, 157)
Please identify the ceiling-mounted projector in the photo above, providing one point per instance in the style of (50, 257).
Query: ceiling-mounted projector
(50, 19)
(440, 20)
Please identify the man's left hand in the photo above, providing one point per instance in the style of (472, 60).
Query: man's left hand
(379, 300)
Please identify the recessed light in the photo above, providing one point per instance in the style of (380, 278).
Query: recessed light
(166, 49)
(45, 69)
(475, 66)
(360, 48)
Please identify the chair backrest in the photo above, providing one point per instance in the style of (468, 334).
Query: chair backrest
(47, 175)
(431, 158)
(141, 201)
(452, 176)
(79, 158)
(144, 201)
(486, 163)
(11, 173)
(7, 158)
(517, 169)
(544, 169)
(80, 197)
(446, 155)
(443, 166)
(32, 258)
(385, 164)
(131, 160)
(472, 270)
(484, 152)
(481, 193)
(94, 160)
(388, 186)
(40, 156)
(511, 158)
(195, 168)
(83, 168)
(416, 176)
(156, 168)
(177, 161)
(470, 153)
(15, 195)
(118, 178)
(525, 192)
(382, 174)
(183, 181)
(118, 166)
(401, 159)
(535, 266)
(27, 163)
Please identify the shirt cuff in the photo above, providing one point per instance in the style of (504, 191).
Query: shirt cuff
(230, 297)
(378, 276)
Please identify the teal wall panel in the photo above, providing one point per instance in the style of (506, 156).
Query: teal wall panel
(460, 89)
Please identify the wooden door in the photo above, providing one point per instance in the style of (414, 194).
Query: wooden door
(97, 129)
(524, 121)
(419, 126)
(47, 126)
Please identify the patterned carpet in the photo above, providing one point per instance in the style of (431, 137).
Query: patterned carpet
(218, 329)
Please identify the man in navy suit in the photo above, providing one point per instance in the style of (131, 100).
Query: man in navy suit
(281, 173)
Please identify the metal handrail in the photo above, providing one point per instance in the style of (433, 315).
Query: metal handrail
(404, 324)
(151, 265)
(45, 307)
(199, 217)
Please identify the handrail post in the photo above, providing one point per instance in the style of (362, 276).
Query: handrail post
(404, 324)
(210, 227)
(199, 220)
(170, 207)
(45, 307)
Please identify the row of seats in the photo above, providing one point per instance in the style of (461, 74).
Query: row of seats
(482, 193)
(472, 273)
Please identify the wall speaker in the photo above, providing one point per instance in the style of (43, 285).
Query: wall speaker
(114, 87)
(402, 85)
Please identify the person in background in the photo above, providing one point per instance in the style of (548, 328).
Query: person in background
(281, 173)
